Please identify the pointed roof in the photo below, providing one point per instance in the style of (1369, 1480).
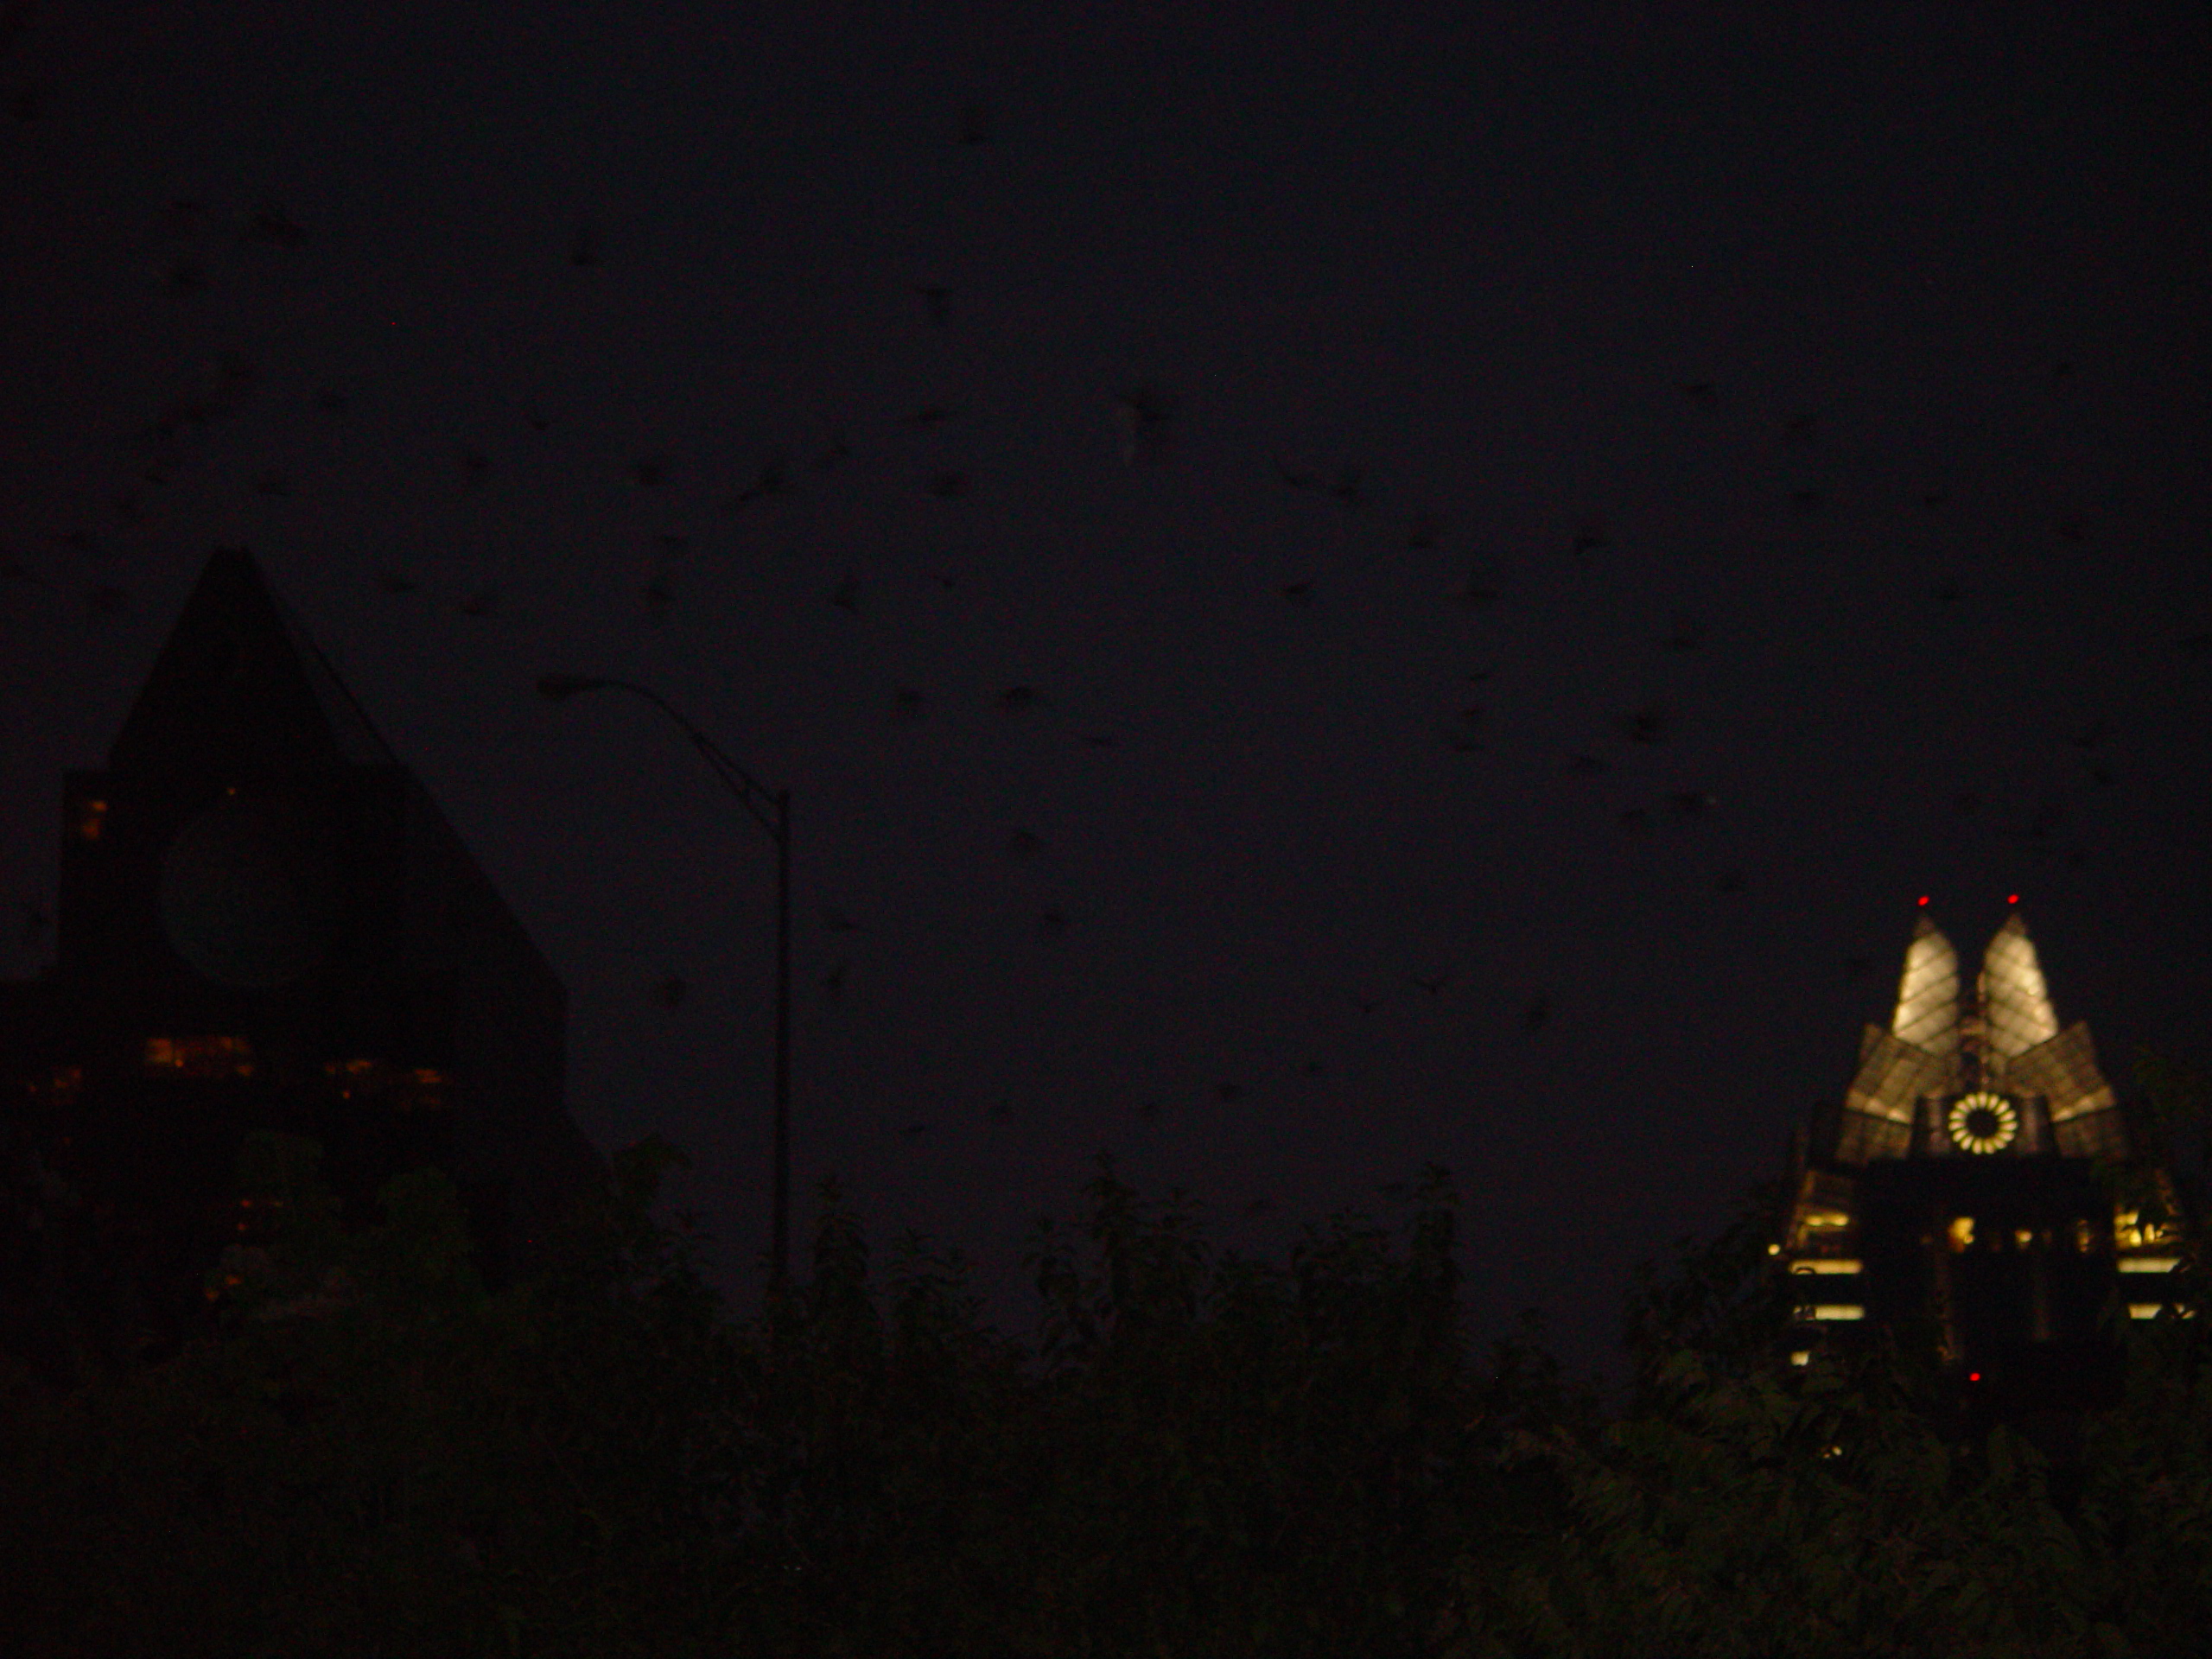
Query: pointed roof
(1927, 994)
(2020, 1048)
(240, 684)
(2016, 1007)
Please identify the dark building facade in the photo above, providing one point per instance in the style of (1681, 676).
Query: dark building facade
(1954, 1197)
(265, 922)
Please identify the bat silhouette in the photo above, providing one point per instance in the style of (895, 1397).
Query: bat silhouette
(770, 481)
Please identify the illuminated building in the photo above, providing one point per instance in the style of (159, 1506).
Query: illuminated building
(1953, 1198)
(264, 922)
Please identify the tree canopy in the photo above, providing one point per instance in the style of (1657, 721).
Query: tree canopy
(1194, 1453)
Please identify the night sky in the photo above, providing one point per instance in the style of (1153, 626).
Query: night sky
(1333, 592)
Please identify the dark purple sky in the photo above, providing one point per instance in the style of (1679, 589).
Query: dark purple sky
(1832, 393)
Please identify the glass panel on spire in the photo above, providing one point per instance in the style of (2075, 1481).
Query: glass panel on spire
(2016, 1007)
(1928, 995)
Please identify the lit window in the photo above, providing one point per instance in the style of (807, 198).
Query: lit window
(2131, 1232)
(1832, 1311)
(1802, 1357)
(1961, 1233)
(2145, 1310)
(422, 1089)
(2023, 1238)
(2149, 1263)
(1825, 1264)
(200, 1056)
(1816, 1222)
(2085, 1237)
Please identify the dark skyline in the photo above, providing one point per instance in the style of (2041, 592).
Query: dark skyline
(1330, 596)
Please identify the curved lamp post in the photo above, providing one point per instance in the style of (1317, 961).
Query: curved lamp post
(771, 809)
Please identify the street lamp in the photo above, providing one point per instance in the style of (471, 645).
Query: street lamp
(771, 809)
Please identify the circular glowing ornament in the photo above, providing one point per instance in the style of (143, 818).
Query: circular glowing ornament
(1982, 1122)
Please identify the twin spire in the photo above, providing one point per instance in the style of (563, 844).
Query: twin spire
(1940, 1045)
(2013, 1011)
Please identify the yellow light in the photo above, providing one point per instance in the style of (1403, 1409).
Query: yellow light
(2130, 1231)
(1774, 1250)
(200, 1057)
(1827, 1221)
(2145, 1310)
(2022, 1237)
(1982, 1122)
(1825, 1311)
(1961, 1232)
(1825, 1264)
(2149, 1263)
(1802, 1357)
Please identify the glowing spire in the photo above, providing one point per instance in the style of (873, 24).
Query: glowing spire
(1928, 995)
(2016, 1008)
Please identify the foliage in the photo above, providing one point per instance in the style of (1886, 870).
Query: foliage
(1717, 1298)
(1196, 1454)
(1201, 1454)
(378, 1456)
(1766, 1515)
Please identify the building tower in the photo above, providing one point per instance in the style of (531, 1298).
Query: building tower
(1954, 1196)
(265, 922)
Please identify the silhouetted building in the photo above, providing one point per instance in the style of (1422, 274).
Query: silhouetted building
(1955, 1198)
(264, 922)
